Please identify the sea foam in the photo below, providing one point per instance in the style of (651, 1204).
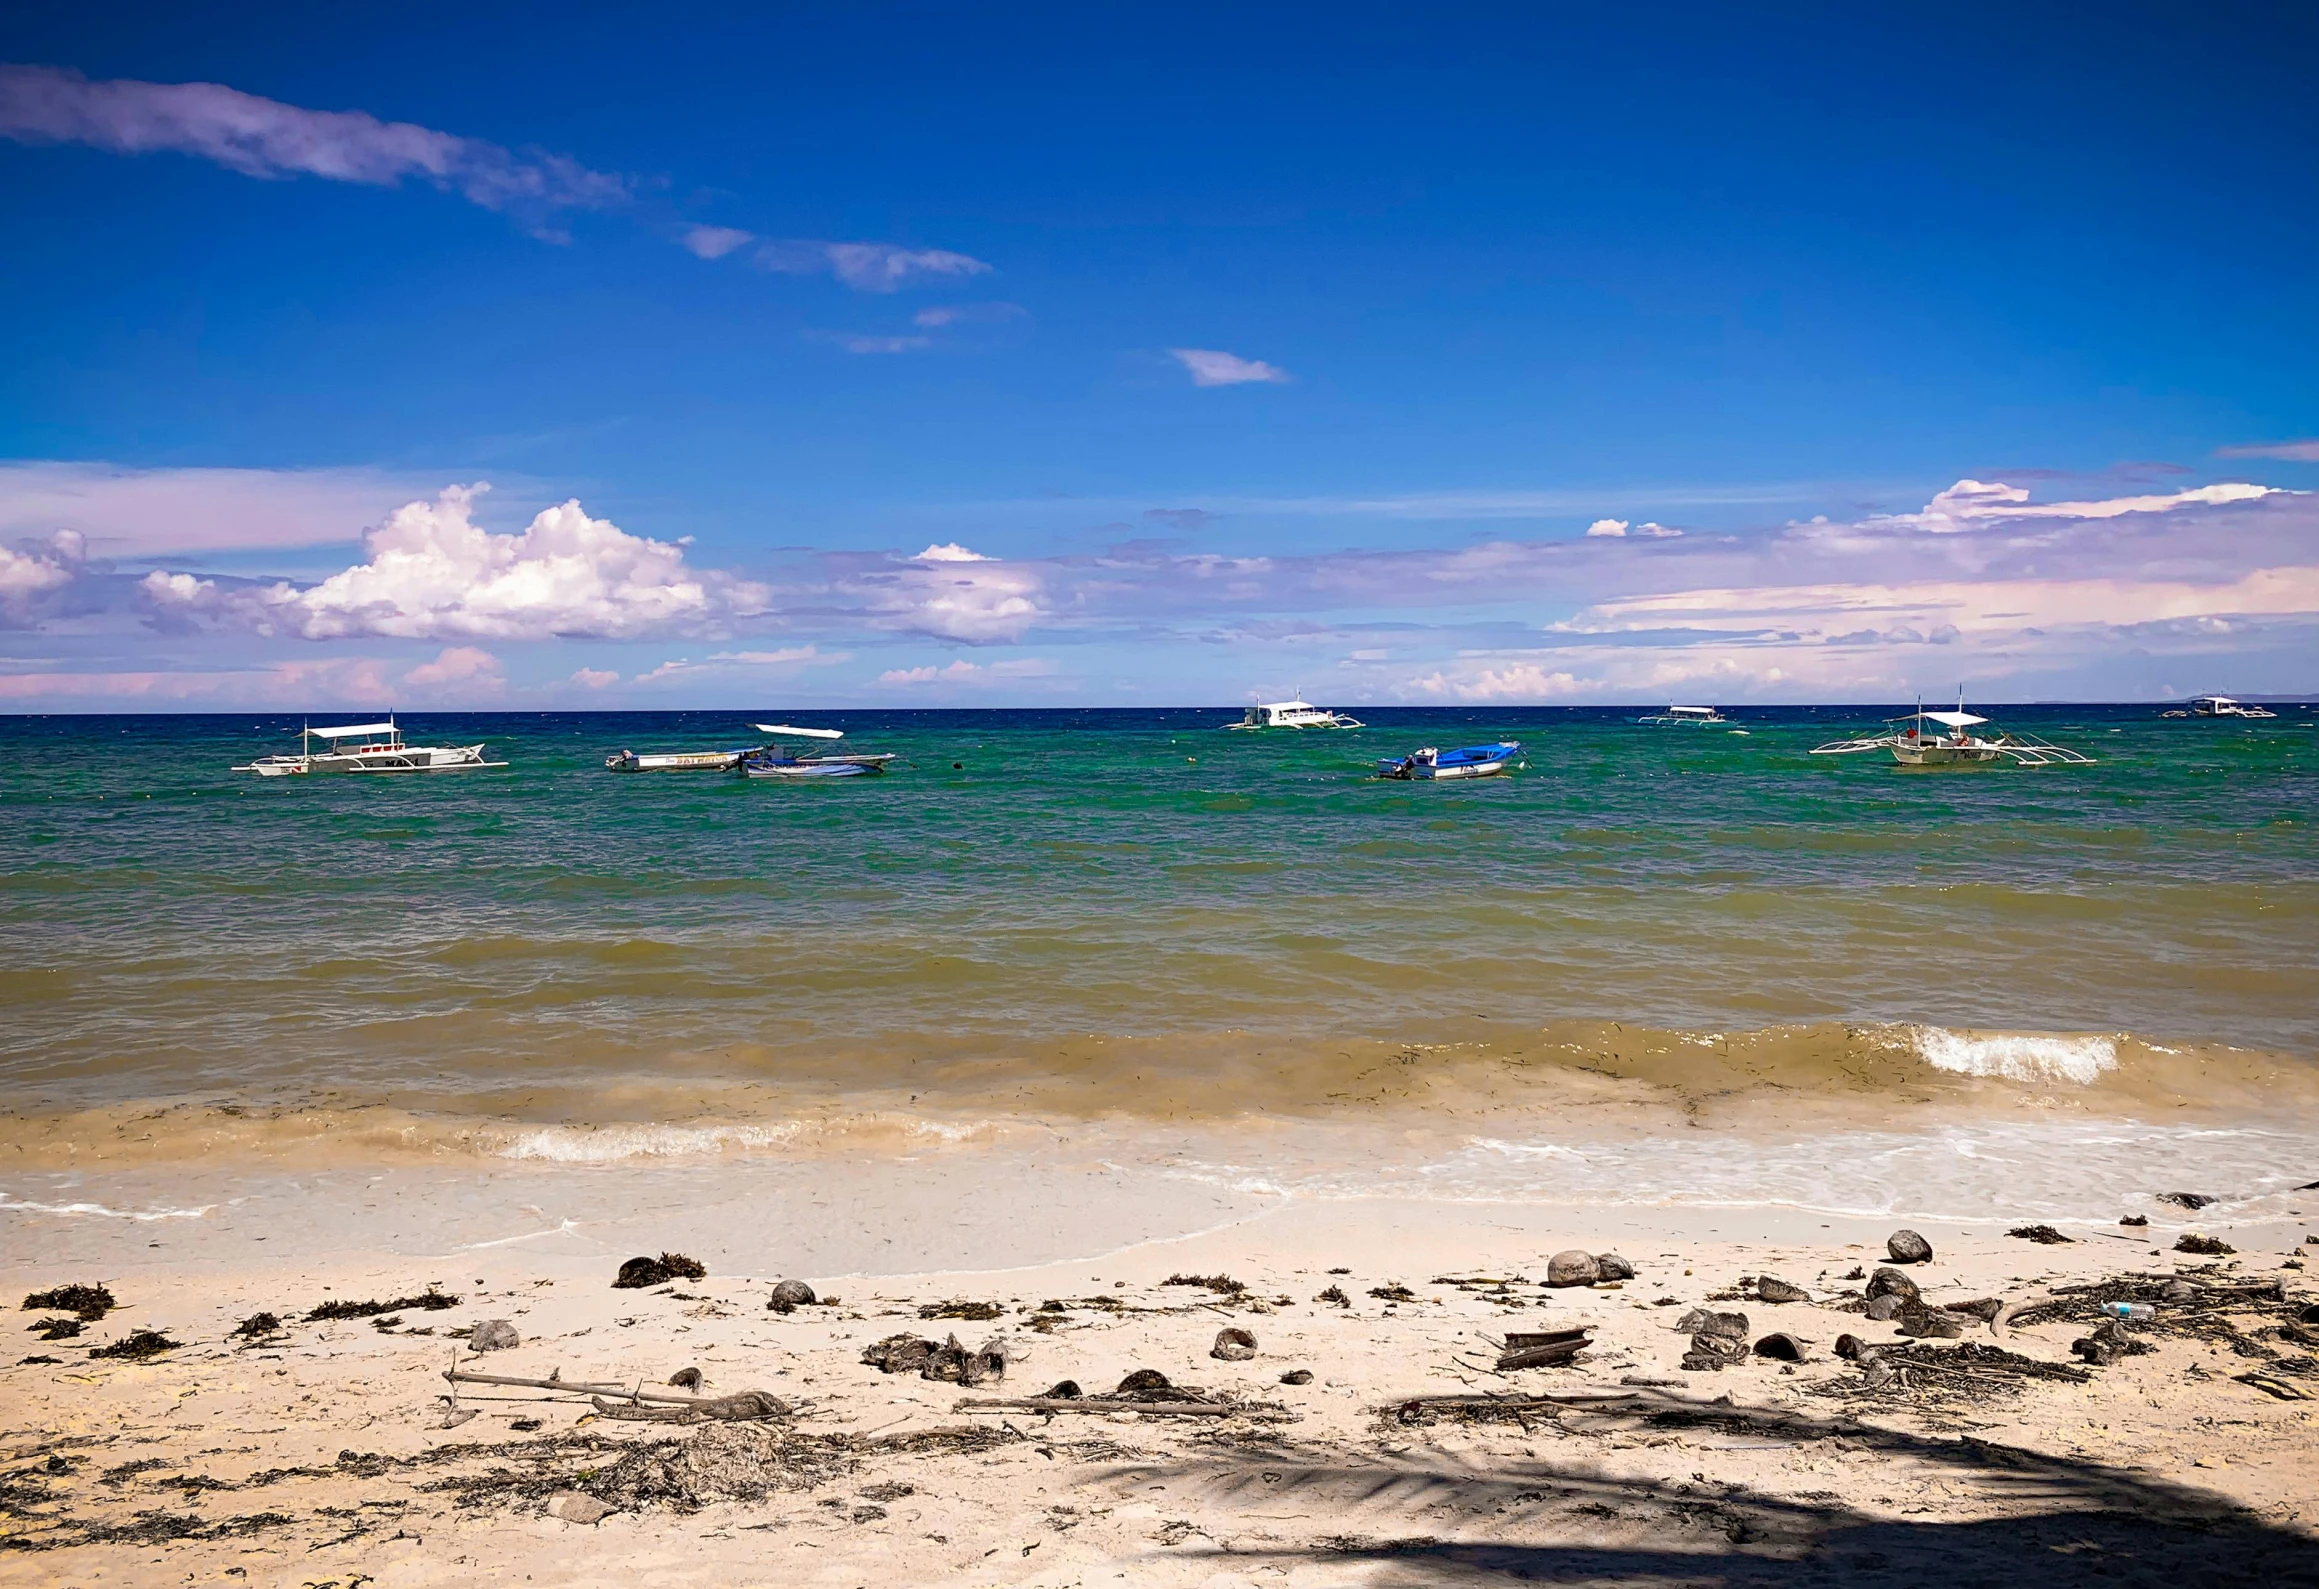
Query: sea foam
(613, 1144)
(2017, 1058)
(14, 1205)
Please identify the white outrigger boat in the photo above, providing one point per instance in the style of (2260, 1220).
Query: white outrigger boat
(367, 747)
(1293, 714)
(1913, 746)
(1696, 716)
(2218, 706)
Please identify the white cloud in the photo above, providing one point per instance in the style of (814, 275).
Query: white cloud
(1969, 504)
(964, 672)
(469, 669)
(950, 552)
(266, 138)
(1211, 367)
(715, 242)
(787, 656)
(1602, 527)
(147, 512)
(2288, 451)
(1520, 681)
(872, 344)
(865, 267)
(594, 678)
(957, 594)
(32, 569)
(432, 573)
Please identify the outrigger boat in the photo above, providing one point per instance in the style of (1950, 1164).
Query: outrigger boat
(1696, 716)
(1913, 746)
(676, 761)
(774, 761)
(1293, 714)
(2218, 706)
(1473, 761)
(367, 747)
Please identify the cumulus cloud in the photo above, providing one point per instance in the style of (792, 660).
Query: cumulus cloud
(33, 570)
(432, 573)
(594, 678)
(266, 138)
(1212, 367)
(956, 594)
(1607, 527)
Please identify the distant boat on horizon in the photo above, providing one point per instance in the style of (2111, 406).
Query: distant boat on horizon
(1293, 714)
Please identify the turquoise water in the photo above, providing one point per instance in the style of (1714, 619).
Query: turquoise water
(171, 929)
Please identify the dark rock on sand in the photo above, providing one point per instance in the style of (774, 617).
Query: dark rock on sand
(2194, 1201)
(495, 1335)
(1849, 1347)
(1612, 1267)
(1771, 1288)
(2043, 1235)
(686, 1379)
(1064, 1390)
(1886, 1308)
(1906, 1246)
(1718, 1340)
(789, 1295)
(1297, 1376)
(1890, 1283)
(573, 1507)
(1149, 1384)
(639, 1274)
(1713, 1323)
(2205, 1246)
(1781, 1347)
(1573, 1268)
(1233, 1345)
(2135, 1219)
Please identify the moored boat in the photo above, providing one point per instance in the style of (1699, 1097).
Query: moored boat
(367, 747)
(1293, 714)
(1471, 761)
(775, 760)
(675, 761)
(1694, 716)
(1915, 746)
(2218, 706)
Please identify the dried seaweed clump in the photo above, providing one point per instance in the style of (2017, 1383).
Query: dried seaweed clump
(138, 1346)
(724, 1462)
(430, 1300)
(1223, 1285)
(958, 1308)
(639, 1273)
(86, 1303)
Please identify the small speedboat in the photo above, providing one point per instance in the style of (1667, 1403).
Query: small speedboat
(775, 761)
(675, 761)
(1472, 761)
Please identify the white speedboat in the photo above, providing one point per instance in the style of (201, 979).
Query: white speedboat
(1951, 742)
(367, 747)
(1696, 716)
(775, 760)
(2218, 706)
(1293, 714)
(675, 760)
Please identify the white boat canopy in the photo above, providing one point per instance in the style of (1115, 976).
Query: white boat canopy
(1951, 719)
(352, 729)
(1691, 711)
(803, 733)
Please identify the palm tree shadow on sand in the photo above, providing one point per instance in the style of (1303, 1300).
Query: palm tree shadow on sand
(1413, 1522)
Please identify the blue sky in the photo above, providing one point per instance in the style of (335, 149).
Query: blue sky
(1242, 348)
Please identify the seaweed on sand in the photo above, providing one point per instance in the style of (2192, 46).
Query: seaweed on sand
(429, 1300)
(86, 1303)
(138, 1346)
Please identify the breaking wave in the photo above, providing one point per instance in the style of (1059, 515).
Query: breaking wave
(2015, 1057)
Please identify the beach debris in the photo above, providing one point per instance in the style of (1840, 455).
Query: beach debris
(1771, 1288)
(1906, 1246)
(720, 1462)
(1335, 1294)
(1614, 1267)
(1063, 1390)
(937, 1360)
(2044, 1235)
(2205, 1246)
(2194, 1201)
(1149, 1384)
(790, 1295)
(1966, 1371)
(741, 1407)
(1542, 1348)
(2109, 1341)
(1144, 1390)
(573, 1507)
(431, 1300)
(1891, 1283)
(1985, 1309)
(2135, 1219)
(1718, 1340)
(686, 1379)
(1233, 1345)
(1223, 1285)
(2271, 1385)
(494, 1335)
(1780, 1347)
(454, 1415)
(56, 1328)
(84, 1302)
(639, 1274)
(1937, 1322)
(958, 1308)
(1849, 1347)
(1886, 1308)
(1297, 1376)
(1392, 1291)
(1573, 1268)
(257, 1327)
(1519, 1409)
(138, 1346)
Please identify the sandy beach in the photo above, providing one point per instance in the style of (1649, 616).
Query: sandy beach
(319, 1454)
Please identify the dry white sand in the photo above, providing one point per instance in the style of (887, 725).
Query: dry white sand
(321, 1459)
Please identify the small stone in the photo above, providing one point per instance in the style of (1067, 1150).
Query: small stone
(1780, 1347)
(686, 1379)
(1887, 1307)
(1891, 1283)
(573, 1507)
(1848, 1347)
(1233, 1345)
(1297, 1376)
(1770, 1288)
(1704, 1321)
(1906, 1246)
(792, 1294)
(1611, 1266)
(494, 1335)
(2135, 1219)
(1573, 1268)
(2194, 1201)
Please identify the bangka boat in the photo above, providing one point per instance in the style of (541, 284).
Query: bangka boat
(2218, 706)
(1471, 761)
(1914, 746)
(1695, 716)
(367, 747)
(775, 761)
(1293, 714)
(676, 760)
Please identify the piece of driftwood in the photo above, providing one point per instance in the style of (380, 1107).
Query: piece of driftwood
(576, 1387)
(746, 1406)
(1542, 1349)
(1191, 1409)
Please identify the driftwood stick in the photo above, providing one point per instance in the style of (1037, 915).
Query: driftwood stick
(575, 1387)
(1556, 1399)
(1191, 1409)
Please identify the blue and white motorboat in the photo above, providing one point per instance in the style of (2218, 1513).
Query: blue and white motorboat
(1473, 761)
(776, 761)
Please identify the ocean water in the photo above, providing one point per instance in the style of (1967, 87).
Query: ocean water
(1132, 917)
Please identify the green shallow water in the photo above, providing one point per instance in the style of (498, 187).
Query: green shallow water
(169, 928)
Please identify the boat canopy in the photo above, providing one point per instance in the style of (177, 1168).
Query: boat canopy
(1951, 719)
(803, 733)
(1691, 711)
(352, 729)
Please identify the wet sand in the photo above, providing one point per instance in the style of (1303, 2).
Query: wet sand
(321, 1456)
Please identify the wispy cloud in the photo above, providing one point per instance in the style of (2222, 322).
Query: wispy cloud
(2290, 451)
(865, 267)
(127, 513)
(266, 138)
(1212, 367)
(970, 673)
